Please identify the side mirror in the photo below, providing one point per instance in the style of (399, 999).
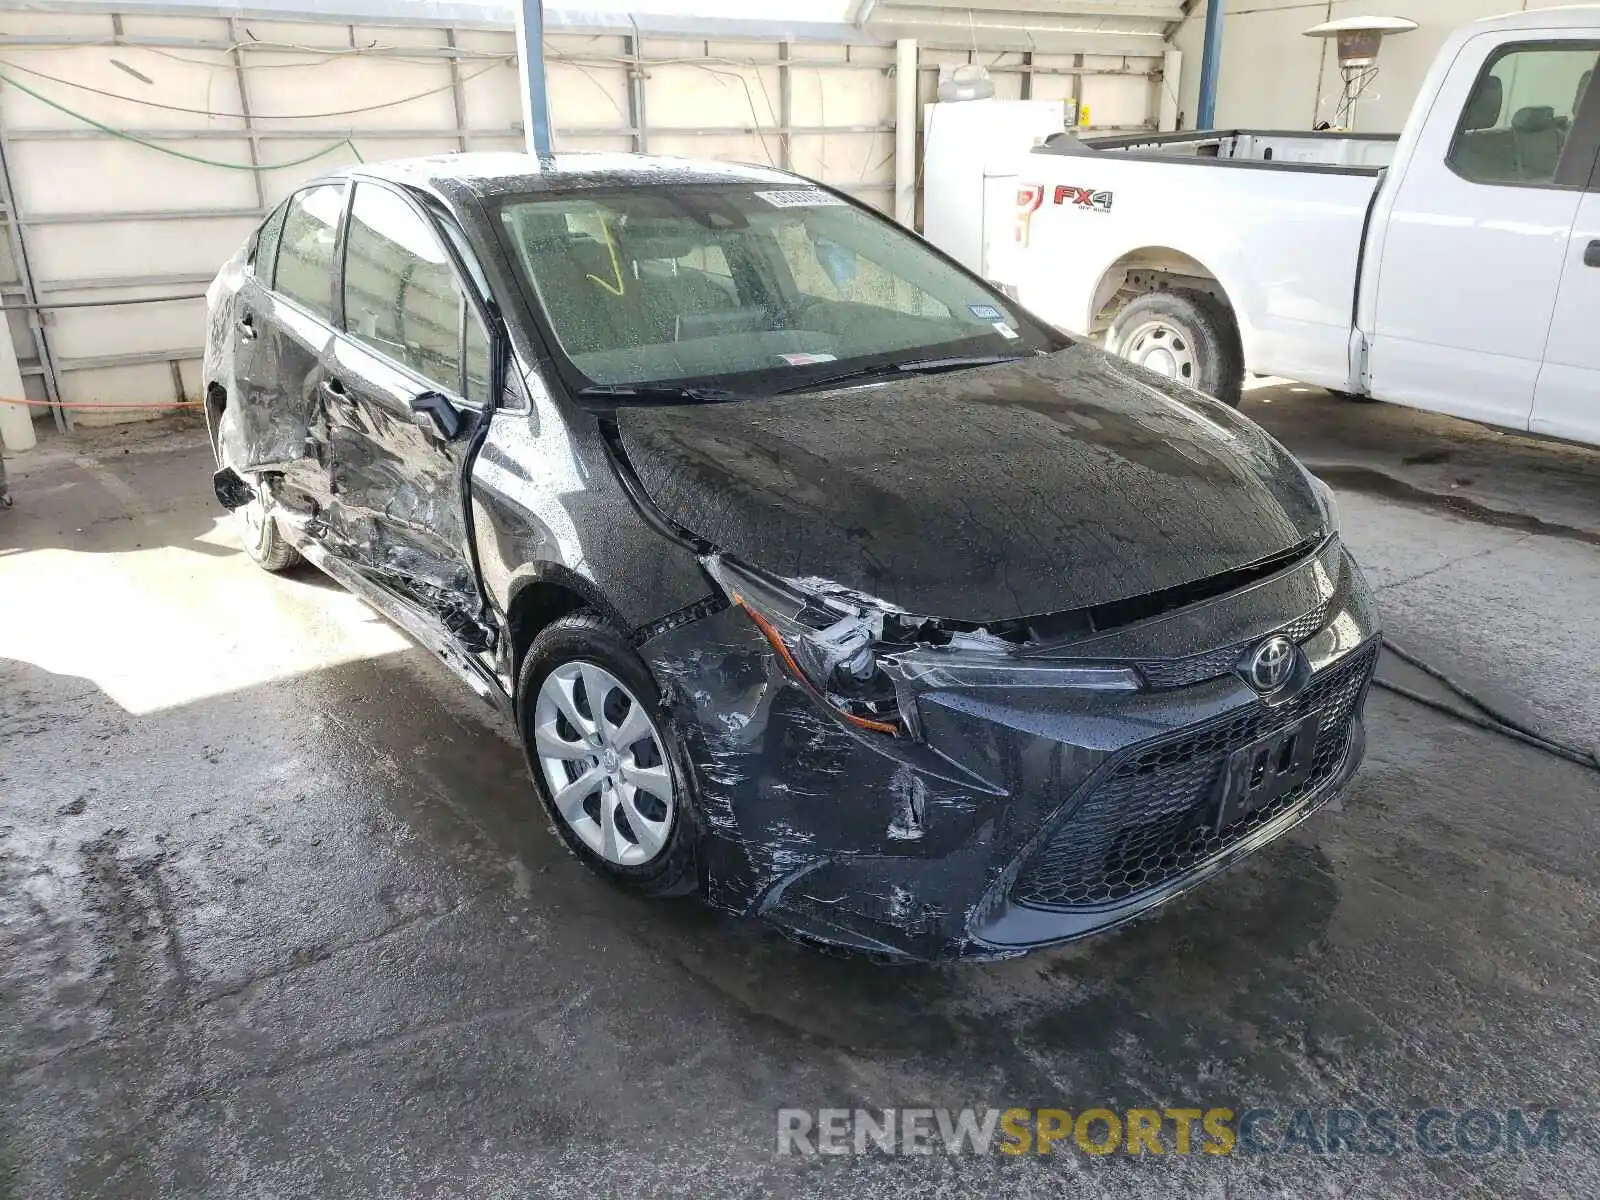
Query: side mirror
(434, 412)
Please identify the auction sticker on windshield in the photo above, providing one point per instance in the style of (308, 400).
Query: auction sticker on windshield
(798, 198)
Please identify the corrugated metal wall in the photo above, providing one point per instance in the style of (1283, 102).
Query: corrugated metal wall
(139, 149)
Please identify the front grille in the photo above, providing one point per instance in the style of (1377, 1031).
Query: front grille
(1152, 820)
(1181, 672)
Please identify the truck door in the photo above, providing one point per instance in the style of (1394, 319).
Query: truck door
(397, 512)
(1478, 231)
(1566, 402)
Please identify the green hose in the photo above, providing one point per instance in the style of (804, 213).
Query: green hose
(160, 149)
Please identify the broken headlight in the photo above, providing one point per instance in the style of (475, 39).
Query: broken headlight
(868, 662)
(830, 646)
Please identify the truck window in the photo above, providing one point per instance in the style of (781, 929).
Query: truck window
(1518, 116)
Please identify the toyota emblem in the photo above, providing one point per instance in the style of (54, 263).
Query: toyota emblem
(1270, 664)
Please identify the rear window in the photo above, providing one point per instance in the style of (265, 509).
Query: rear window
(305, 255)
(265, 256)
(744, 283)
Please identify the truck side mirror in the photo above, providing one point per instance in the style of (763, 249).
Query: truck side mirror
(433, 412)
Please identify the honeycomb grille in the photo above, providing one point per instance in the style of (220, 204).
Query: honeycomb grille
(1152, 820)
(1181, 672)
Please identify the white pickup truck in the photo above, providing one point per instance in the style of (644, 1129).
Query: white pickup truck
(1454, 268)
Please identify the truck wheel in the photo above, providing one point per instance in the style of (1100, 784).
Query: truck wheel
(606, 761)
(1188, 336)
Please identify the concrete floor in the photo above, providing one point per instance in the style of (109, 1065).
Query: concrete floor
(277, 917)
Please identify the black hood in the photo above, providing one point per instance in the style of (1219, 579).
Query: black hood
(982, 495)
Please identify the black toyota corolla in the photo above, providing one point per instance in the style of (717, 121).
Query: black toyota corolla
(818, 577)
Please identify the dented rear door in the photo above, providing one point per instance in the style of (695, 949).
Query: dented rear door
(397, 511)
(282, 325)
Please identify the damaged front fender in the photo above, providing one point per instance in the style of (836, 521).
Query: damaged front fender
(884, 841)
(908, 842)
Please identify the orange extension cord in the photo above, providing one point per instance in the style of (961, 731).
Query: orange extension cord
(89, 404)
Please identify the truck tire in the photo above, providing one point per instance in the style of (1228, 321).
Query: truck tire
(1188, 336)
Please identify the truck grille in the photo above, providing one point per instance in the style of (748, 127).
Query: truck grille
(1152, 820)
(1181, 672)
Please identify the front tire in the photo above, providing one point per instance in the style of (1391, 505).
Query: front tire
(606, 761)
(1186, 335)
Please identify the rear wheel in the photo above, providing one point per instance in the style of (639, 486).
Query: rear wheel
(606, 761)
(1188, 336)
(258, 531)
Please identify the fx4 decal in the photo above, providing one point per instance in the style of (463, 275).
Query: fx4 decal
(1083, 198)
(1031, 196)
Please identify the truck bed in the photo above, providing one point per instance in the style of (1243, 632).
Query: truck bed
(1282, 237)
(1242, 147)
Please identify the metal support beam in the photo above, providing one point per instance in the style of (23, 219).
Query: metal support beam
(22, 257)
(238, 37)
(1171, 78)
(530, 66)
(785, 109)
(458, 97)
(905, 132)
(1210, 64)
(636, 117)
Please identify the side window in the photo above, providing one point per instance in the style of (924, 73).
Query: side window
(825, 271)
(265, 255)
(400, 296)
(1519, 114)
(304, 270)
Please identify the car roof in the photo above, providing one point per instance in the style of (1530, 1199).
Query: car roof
(503, 173)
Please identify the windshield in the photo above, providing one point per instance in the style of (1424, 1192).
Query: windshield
(752, 286)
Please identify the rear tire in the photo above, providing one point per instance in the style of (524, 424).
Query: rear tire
(610, 757)
(1186, 335)
(258, 533)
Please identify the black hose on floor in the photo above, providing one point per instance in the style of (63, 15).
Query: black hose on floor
(1487, 716)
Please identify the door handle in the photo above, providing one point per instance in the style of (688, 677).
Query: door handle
(247, 327)
(1591, 255)
(335, 389)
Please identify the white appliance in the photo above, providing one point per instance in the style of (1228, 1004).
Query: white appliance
(959, 140)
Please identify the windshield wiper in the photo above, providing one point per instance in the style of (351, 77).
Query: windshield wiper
(658, 391)
(921, 366)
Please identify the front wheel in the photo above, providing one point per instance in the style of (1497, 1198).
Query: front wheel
(1188, 336)
(605, 759)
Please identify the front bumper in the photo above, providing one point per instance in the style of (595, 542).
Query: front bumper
(1022, 818)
